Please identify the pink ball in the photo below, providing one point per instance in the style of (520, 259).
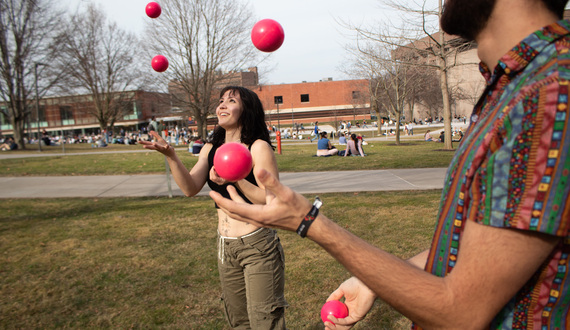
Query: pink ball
(159, 63)
(232, 161)
(335, 308)
(267, 35)
(153, 10)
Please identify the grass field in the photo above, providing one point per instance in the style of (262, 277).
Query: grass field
(151, 262)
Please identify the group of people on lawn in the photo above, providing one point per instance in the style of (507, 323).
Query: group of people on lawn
(353, 146)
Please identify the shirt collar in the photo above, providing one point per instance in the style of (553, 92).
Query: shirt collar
(517, 59)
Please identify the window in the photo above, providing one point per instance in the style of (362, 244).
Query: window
(278, 99)
(42, 120)
(355, 95)
(304, 98)
(130, 110)
(42, 113)
(66, 115)
(4, 120)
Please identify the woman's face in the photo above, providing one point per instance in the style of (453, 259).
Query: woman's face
(229, 110)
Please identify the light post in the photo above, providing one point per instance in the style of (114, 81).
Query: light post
(37, 103)
(278, 100)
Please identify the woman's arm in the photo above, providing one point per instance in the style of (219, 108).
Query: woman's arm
(347, 150)
(189, 182)
(263, 157)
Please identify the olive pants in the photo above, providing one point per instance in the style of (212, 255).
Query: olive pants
(252, 273)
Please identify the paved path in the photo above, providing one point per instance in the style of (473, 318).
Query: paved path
(156, 185)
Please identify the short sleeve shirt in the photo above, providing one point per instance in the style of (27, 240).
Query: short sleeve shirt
(323, 144)
(511, 170)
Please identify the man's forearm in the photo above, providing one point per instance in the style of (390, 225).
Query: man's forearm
(400, 283)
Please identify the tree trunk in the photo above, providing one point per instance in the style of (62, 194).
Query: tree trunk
(444, 88)
(201, 126)
(18, 128)
(446, 111)
(398, 116)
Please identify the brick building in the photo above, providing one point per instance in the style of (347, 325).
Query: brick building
(326, 100)
(284, 104)
(75, 114)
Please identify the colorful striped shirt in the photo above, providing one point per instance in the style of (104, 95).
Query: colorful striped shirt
(511, 171)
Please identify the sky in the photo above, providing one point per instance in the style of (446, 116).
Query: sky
(314, 46)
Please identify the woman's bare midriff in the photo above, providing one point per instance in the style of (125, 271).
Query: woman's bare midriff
(230, 227)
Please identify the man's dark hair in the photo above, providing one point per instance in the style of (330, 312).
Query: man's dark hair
(252, 119)
(556, 6)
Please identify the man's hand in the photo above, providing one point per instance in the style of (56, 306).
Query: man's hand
(284, 208)
(358, 298)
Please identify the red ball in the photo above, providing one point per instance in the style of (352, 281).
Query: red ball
(267, 35)
(153, 10)
(335, 308)
(159, 63)
(232, 161)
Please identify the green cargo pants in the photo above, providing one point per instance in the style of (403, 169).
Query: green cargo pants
(252, 273)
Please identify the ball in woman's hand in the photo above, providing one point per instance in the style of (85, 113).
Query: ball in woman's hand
(233, 161)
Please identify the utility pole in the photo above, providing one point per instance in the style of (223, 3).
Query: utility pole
(38, 104)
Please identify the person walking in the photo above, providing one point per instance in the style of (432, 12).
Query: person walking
(315, 134)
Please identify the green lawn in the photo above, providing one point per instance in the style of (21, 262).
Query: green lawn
(151, 262)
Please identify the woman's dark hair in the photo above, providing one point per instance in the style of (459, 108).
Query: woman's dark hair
(353, 137)
(323, 135)
(252, 119)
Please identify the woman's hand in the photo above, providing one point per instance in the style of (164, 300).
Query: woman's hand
(159, 145)
(216, 178)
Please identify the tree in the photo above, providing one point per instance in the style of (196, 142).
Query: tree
(432, 47)
(100, 60)
(393, 80)
(27, 28)
(429, 93)
(204, 41)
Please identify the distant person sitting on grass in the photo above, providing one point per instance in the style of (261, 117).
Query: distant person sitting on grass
(101, 143)
(197, 146)
(9, 145)
(354, 147)
(427, 136)
(342, 139)
(324, 146)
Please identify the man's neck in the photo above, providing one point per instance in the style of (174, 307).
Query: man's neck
(510, 22)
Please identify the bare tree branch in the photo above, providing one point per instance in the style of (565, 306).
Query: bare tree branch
(417, 44)
(101, 60)
(26, 29)
(203, 41)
